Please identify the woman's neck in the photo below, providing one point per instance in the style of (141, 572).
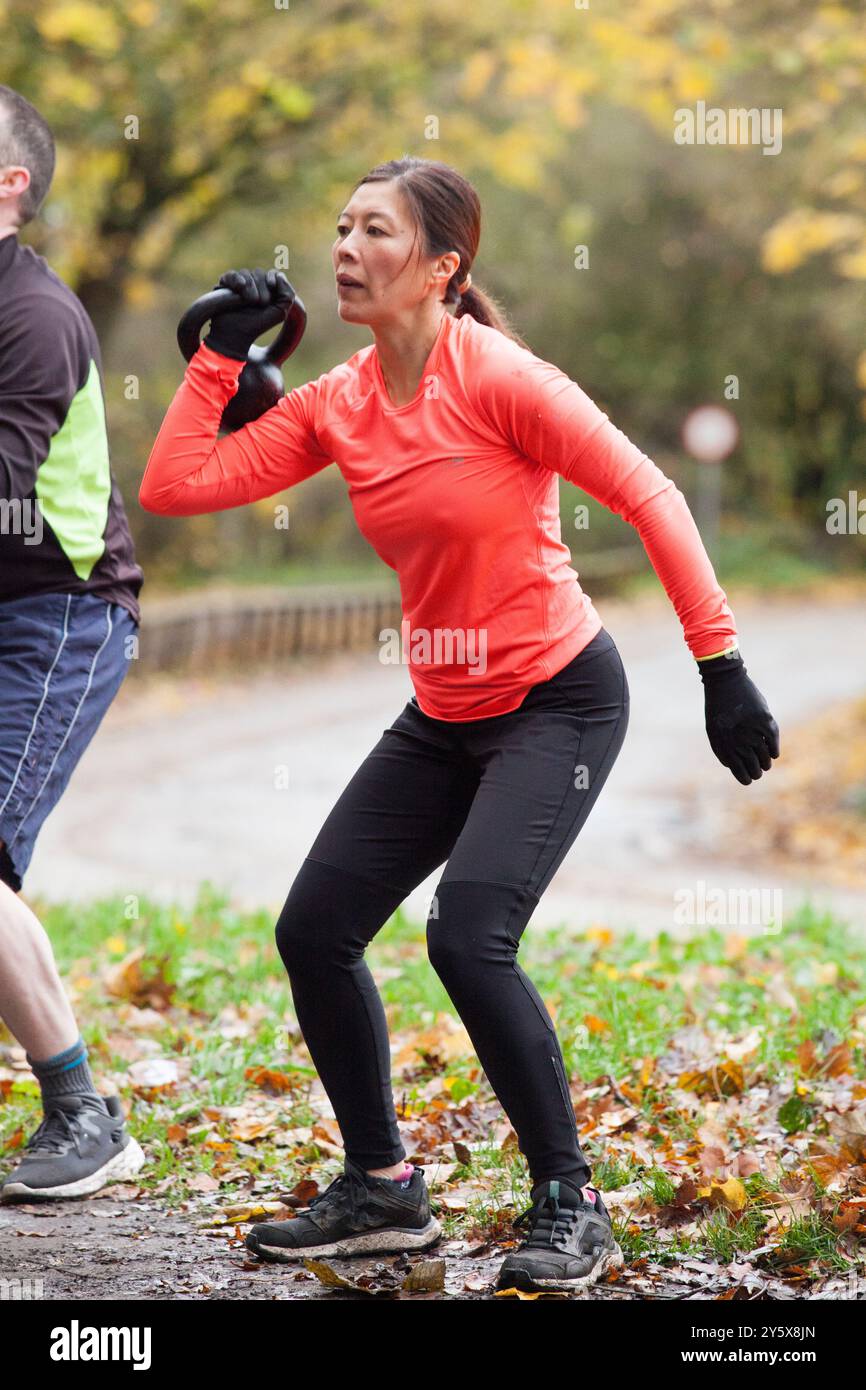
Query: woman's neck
(403, 350)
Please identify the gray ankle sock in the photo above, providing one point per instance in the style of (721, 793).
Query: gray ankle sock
(65, 1074)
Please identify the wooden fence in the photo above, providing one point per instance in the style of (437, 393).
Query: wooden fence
(218, 630)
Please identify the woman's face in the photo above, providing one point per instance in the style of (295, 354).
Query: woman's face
(374, 246)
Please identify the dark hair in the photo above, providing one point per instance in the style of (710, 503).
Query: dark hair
(447, 213)
(26, 139)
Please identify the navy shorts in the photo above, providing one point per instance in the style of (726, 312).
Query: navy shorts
(63, 658)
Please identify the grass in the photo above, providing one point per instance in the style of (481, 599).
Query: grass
(223, 1008)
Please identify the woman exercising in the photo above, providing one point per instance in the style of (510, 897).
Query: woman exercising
(452, 436)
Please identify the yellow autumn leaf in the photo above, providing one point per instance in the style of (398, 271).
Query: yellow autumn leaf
(692, 84)
(255, 74)
(518, 157)
(828, 90)
(90, 26)
(523, 1295)
(139, 292)
(75, 88)
(639, 968)
(567, 107)
(736, 946)
(825, 972)
(726, 1078)
(843, 183)
(227, 104)
(604, 935)
(142, 12)
(249, 1129)
(717, 45)
(806, 232)
(477, 74)
(601, 967)
(731, 1194)
(853, 265)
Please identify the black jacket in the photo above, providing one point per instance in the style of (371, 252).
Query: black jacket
(63, 526)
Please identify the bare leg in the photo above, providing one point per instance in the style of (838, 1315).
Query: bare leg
(33, 1002)
(388, 1172)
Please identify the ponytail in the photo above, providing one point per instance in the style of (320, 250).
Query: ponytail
(485, 309)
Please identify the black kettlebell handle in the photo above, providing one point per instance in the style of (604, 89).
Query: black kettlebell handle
(218, 302)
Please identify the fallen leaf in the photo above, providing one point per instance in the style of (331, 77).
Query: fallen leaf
(731, 1194)
(153, 1073)
(426, 1276)
(275, 1082)
(203, 1182)
(129, 979)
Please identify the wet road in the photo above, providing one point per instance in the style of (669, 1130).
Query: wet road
(230, 780)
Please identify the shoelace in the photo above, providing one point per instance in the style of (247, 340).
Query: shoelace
(54, 1132)
(348, 1189)
(553, 1223)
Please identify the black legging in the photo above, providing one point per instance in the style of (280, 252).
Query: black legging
(502, 800)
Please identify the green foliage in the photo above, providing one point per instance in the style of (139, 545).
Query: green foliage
(194, 137)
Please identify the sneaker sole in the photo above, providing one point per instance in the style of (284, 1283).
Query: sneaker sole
(386, 1242)
(123, 1165)
(518, 1278)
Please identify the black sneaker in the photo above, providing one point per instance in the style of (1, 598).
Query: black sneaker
(79, 1147)
(570, 1243)
(355, 1215)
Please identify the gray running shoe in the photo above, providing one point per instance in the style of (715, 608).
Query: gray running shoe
(78, 1148)
(570, 1242)
(356, 1215)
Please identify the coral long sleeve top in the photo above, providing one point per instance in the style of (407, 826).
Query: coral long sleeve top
(458, 492)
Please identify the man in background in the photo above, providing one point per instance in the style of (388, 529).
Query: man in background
(69, 619)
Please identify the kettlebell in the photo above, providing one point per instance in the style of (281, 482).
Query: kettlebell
(260, 384)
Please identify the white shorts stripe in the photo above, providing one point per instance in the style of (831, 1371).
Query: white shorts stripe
(45, 686)
(78, 709)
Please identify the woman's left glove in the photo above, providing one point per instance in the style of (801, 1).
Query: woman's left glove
(743, 734)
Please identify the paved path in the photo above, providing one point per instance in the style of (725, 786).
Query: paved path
(179, 784)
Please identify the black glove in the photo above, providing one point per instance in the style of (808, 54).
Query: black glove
(743, 734)
(233, 333)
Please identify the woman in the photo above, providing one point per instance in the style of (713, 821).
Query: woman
(451, 436)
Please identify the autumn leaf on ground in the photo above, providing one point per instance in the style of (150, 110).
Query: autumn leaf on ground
(382, 1281)
(724, 1078)
(731, 1194)
(275, 1082)
(438, 1046)
(254, 1127)
(203, 1182)
(131, 979)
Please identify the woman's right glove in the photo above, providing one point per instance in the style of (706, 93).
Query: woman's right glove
(743, 734)
(233, 333)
